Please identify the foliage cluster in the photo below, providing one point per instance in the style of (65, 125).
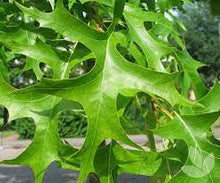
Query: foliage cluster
(197, 18)
(202, 38)
(130, 50)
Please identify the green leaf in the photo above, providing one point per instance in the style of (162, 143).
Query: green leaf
(207, 101)
(99, 92)
(167, 4)
(116, 160)
(99, 85)
(203, 158)
(40, 52)
(46, 141)
(108, 3)
(43, 110)
(33, 64)
(153, 48)
(190, 67)
(70, 4)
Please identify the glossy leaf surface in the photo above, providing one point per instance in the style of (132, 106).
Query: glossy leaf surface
(98, 91)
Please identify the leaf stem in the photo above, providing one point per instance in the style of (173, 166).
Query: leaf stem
(151, 139)
(153, 106)
(149, 134)
(165, 111)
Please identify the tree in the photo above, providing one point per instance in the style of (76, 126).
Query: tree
(202, 38)
(137, 52)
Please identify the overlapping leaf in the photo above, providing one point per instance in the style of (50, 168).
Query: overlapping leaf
(116, 160)
(43, 109)
(202, 164)
(97, 92)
